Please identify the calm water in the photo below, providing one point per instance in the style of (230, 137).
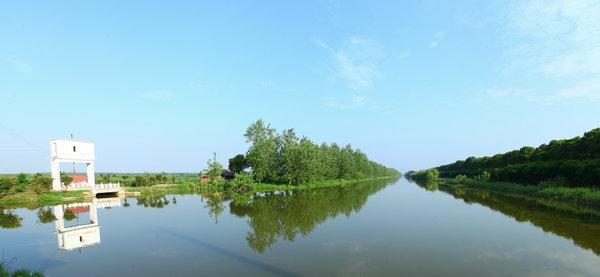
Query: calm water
(379, 229)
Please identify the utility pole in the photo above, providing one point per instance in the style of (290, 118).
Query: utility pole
(73, 162)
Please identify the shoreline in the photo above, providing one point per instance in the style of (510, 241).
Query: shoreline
(575, 199)
(31, 200)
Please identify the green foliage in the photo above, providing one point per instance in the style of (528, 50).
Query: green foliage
(8, 220)
(21, 179)
(17, 273)
(577, 160)
(214, 172)
(41, 183)
(241, 181)
(286, 158)
(461, 178)
(8, 185)
(69, 215)
(424, 176)
(238, 163)
(45, 215)
(65, 179)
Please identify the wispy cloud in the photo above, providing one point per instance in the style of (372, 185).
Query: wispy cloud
(405, 55)
(321, 44)
(356, 101)
(557, 41)
(356, 62)
(158, 95)
(18, 65)
(437, 37)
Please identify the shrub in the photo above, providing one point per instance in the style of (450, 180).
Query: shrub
(553, 183)
(241, 180)
(428, 175)
(461, 178)
(41, 183)
(7, 185)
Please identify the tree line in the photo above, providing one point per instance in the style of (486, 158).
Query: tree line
(287, 158)
(567, 162)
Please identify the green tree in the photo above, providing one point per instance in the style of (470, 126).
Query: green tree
(7, 185)
(214, 171)
(263, 155)
(41, 183)
(65, 179)
(238, 163)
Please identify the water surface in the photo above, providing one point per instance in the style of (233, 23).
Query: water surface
(376, 229)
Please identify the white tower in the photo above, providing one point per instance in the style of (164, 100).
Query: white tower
(71, 151)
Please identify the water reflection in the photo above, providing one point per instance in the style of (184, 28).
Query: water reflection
(285, 215)
(577, 224)
(81, 234)
(9, 220)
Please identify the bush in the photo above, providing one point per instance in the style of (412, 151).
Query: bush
(553, 183)
(241, 180)
(41, 183)
(7, 185)
(461, 178)
(427, 176)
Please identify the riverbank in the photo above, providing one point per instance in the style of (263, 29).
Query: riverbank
(206, 188)
(584, 197)
(29, 199)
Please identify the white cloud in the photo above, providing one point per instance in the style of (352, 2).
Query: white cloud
(405, 55)
(356, 63)
(556, 41)
(437, 37)
(20, 66)
(321, 44)
(158, 95)
(356, 101)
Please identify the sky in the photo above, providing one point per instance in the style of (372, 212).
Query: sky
(160, 86)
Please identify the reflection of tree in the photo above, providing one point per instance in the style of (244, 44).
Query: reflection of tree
(285, 215)
(215, 207)
(69, 215)
(582, 226)
(153, 200)
(8, 220)
(45, 215)
(426, 184)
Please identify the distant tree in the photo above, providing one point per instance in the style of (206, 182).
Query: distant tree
(21, 179)
(41, 183)
(238, 163)
(7, 185)
(214, 171)
(65, 179)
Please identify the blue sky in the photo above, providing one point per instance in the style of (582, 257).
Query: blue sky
(159, 87)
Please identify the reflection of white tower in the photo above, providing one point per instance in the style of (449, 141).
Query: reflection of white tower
(83, 235)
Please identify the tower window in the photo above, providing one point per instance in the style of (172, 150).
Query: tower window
(74, 149)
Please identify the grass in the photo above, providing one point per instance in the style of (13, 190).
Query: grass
(30, 199)
(205, 188)
(587, 197)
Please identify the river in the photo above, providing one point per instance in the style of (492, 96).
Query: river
(386, 228)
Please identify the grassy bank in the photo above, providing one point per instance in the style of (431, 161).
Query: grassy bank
(30, 199)
(206, 188)
(586, 197)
